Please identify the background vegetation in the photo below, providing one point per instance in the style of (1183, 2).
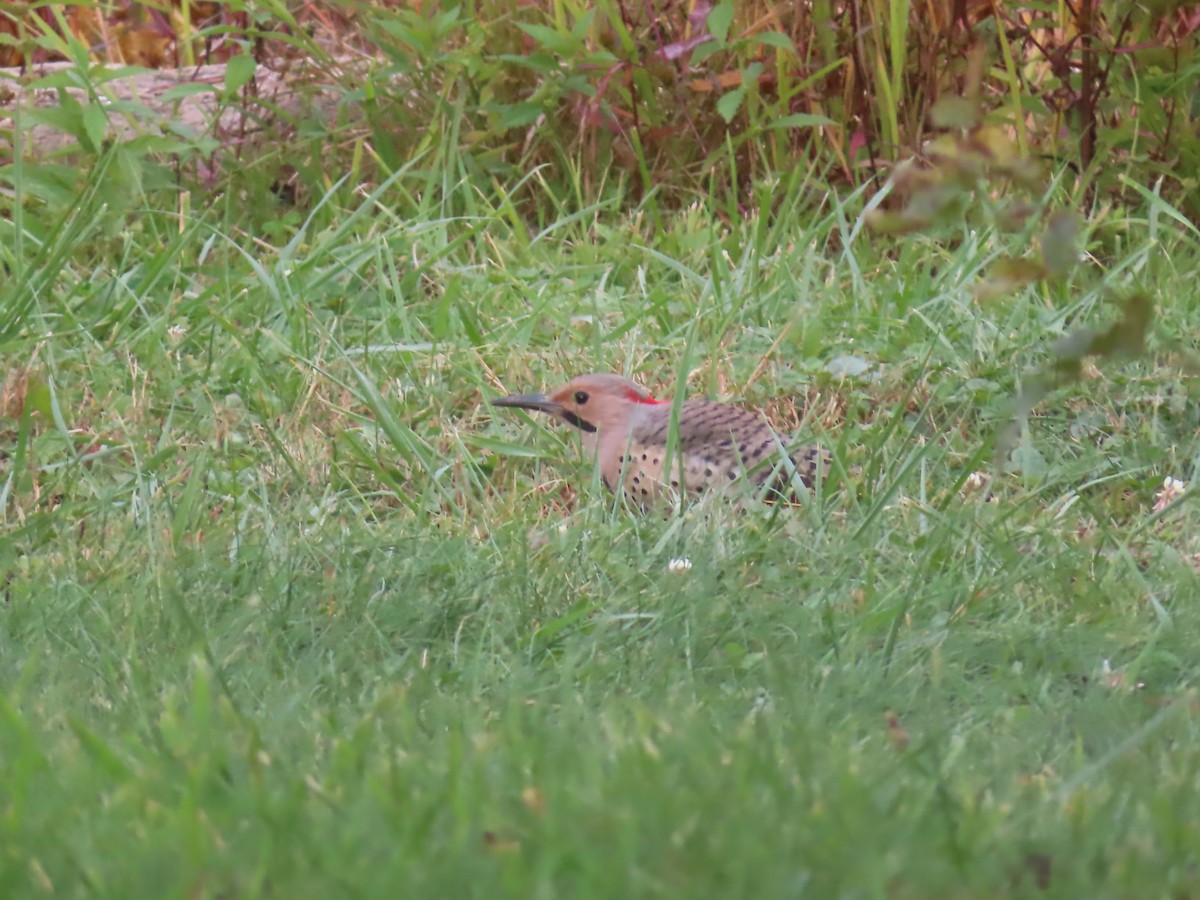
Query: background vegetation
(287, 612)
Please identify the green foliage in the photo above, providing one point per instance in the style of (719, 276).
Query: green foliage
(285, 612)
(671, 103)
(967, 182)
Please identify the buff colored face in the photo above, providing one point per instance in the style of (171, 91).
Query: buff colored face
(589, 402)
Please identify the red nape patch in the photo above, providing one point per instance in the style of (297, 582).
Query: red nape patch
(649, 401)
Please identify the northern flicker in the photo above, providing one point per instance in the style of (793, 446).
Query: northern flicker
(720, 446)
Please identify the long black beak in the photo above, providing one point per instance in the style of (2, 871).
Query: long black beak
(539, 402)
(542, 403)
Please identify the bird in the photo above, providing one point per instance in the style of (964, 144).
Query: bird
(719, 446)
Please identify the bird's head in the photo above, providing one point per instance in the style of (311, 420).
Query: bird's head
(592, 403)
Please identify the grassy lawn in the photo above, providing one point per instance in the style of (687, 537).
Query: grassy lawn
(289, 611)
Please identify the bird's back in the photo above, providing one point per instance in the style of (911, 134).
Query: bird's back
(720, 445)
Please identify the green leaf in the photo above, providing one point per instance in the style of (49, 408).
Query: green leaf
(106, 759)
(729, 104)
(238, 72)
(37, 396)
(704, 51)
(1007, 275)
(564, 43)
(501, 447)
(955, 112)
(776, 39)
(547, 634)
(1060, 242)
(1027, 460)
(802, 120)
(56, 185)
(1125, 337)
(719, 21)
(95, 124)
(518, 115)
(102, 73)
(848, 366)
(180, 91)
(891, 222)
(445, 22)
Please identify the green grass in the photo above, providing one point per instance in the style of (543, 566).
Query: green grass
(289, 612)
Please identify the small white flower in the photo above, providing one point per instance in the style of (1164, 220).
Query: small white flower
(1116, 679)
(1172, 489)
(679, 565)
(176, 333)
(975, 481)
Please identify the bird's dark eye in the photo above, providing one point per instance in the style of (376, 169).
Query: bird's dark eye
(581, 397)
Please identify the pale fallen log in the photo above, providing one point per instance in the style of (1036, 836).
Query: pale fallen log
(196, 102)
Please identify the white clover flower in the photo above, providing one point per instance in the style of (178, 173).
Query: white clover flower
(679, 565)
(1172, 489)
